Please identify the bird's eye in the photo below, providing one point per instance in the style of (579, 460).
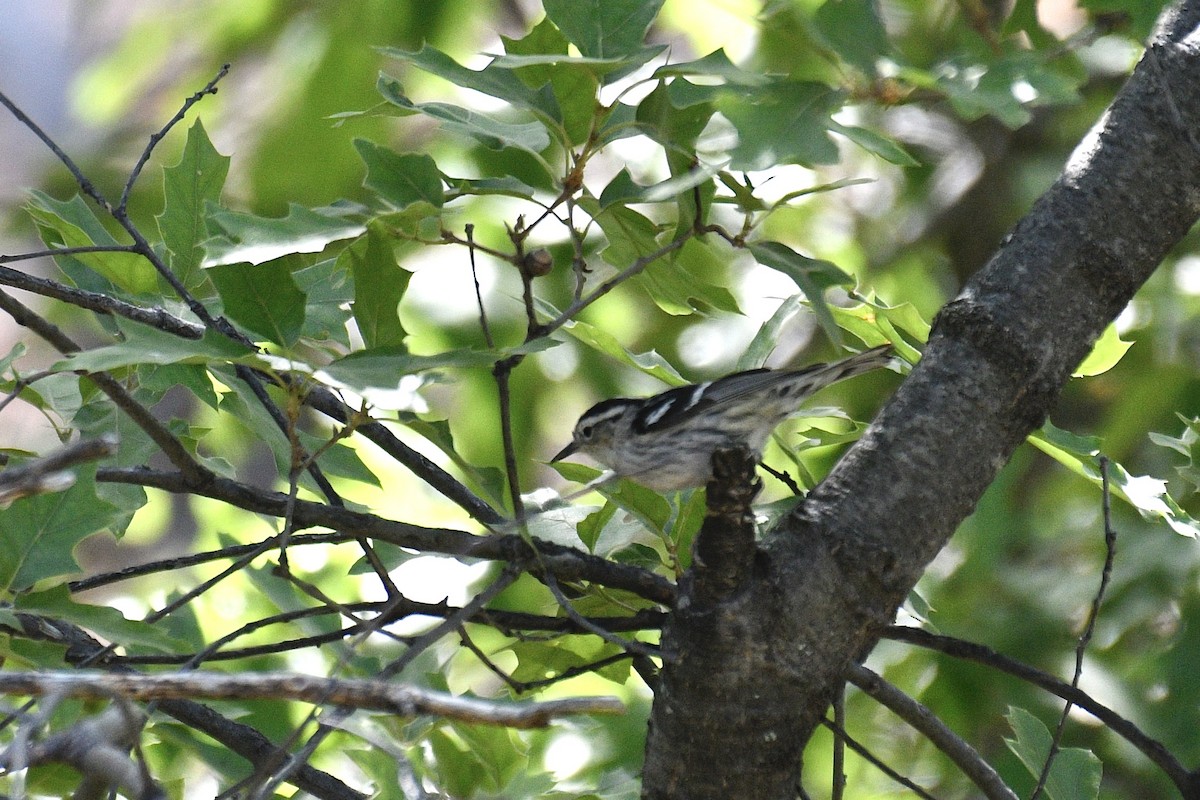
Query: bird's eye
(585, 432)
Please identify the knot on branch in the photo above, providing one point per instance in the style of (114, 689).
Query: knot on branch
(725, 547)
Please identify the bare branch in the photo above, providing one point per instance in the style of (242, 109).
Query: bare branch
(567, 563)
(50, 474)
(328, 404)
(101, 303)
(970, 651)
(171, 447)
(376, 695)
(1110, 553)
(962, 754)
(210, 88)
(55, 252)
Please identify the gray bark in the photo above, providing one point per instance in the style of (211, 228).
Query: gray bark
(756, 668)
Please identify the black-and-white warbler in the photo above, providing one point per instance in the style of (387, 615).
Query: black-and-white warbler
(666, 442)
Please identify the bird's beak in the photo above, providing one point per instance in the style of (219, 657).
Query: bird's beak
(566, 451)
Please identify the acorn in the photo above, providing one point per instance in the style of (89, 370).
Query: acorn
(537, 263)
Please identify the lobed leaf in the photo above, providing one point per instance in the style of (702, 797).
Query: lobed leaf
(1075, 773)
(379, 286)
(604, 28)
(72, 224)
(490, 132)
(246, 238)
(106, 621)
(401, 179)
(40, 532)
(263, 298)
(1146, 494)
(188, 189)
(812, 276)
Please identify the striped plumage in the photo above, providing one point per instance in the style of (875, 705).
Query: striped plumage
(666, 441)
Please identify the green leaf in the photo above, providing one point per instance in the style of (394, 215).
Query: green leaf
(339, 460)
(875, 143)
(854, 31)
(1148, 495)
(764, 341)
(379, 286)
(507, 186)
(263, 298)
(383, 367)
(40, 532)
(590, 528)
(812, 276)
(1188, 443)
(604, 28)
(875, 322)
(72, 224)
(400, 178)
(494, 80)
(489, 481)
(604, 342)
(56, 604)
(682, 286)
(329, 289)
(672, 118)
(541, 58)
(630, 235)
(254, 240)
(785, 123)
(1108, 350)
(714, 65)
(188, 188)
(1005, 88)
(488, 131)
(194, 377)
(143, 344)
(1075, 773)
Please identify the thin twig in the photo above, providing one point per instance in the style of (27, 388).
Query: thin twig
(628, 645)
(567, 563)
(632, 270)
(922, 719)
(195, 559)
(336, 716)
(441, 481)
(1153, 749)
(84, 184)
(838, 783)
(874, 760)
(210, 88)
(1110, 554)
(502, 371)
(55, 252)
(483, 320)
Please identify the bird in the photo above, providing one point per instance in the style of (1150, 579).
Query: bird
(665, 442)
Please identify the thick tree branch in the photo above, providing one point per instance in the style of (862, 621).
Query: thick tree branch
(835, 571)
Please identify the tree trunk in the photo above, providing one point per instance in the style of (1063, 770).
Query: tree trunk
(756, 665)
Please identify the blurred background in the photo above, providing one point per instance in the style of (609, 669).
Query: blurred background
(100, 77)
